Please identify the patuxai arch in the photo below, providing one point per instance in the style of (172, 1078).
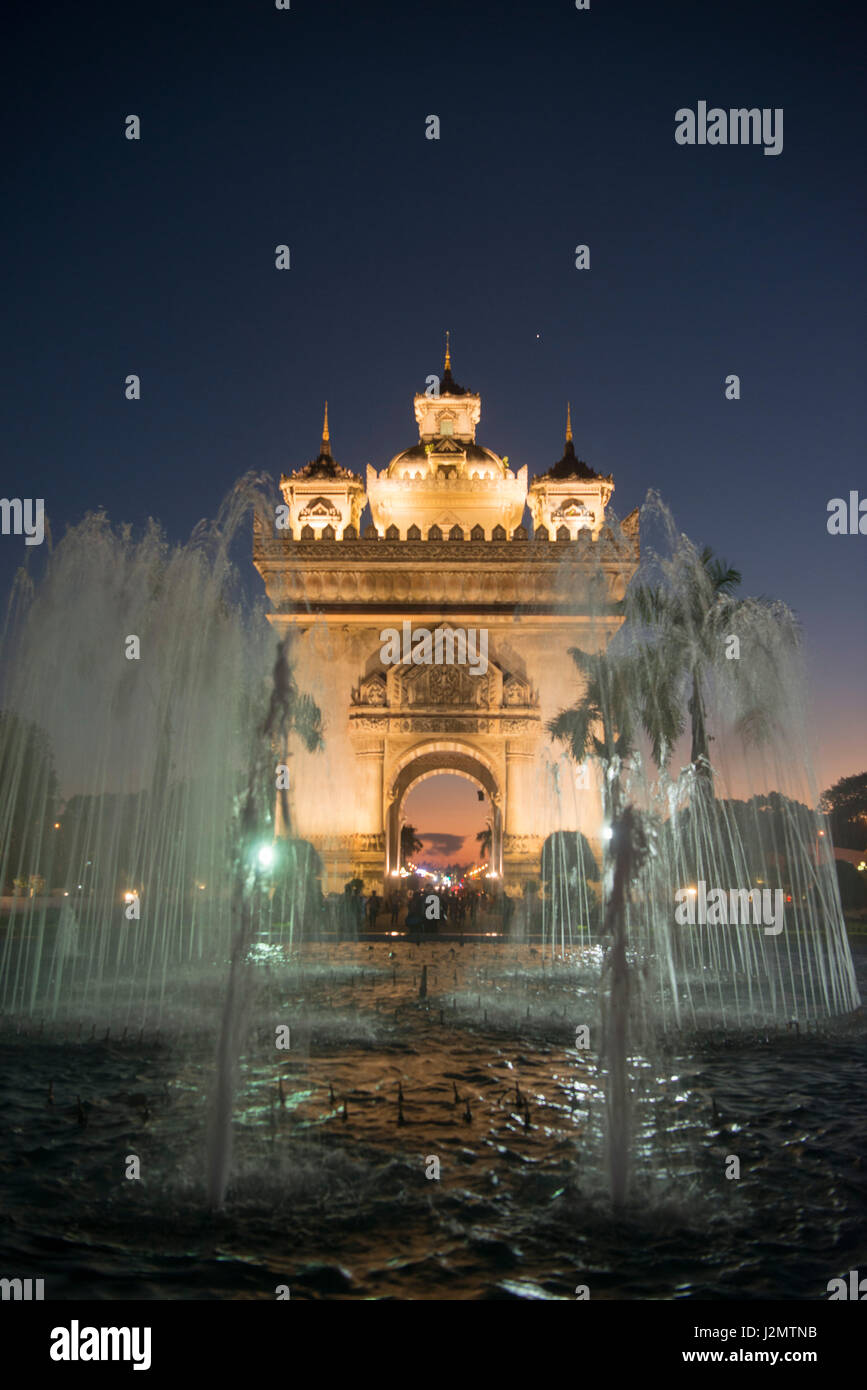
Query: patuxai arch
(447, 555)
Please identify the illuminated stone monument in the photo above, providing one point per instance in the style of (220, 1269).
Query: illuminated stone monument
(447, 552)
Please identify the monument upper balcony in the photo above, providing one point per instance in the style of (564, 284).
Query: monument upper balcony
(360, 579)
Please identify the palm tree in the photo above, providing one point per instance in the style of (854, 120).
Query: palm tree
(600, 725)
(290, 712)
(687, 624)
(410, 844)
(485, 840)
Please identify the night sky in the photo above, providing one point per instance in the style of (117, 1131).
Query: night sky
(307, 127)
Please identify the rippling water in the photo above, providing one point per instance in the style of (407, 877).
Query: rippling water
(329, 1193)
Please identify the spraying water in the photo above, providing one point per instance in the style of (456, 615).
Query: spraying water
(135, 688)
(130, 671)
(736, 919)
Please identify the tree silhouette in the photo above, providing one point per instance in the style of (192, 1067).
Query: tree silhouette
(410, 844)
(685, 622)
(845, 805)
(600, 724)
(28, 799)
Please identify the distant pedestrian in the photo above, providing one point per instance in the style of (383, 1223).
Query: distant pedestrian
(414, 916)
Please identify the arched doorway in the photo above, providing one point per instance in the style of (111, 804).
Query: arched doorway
(449, 813)
(430, 761)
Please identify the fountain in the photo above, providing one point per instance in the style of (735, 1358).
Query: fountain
(136, 679)
(132, 670)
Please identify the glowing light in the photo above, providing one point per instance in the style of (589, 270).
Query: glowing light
(266, 856)
(607, 832)
(129, 897)
(201, 887)
(57, 825)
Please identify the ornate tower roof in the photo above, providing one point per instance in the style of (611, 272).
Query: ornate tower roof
(447, 479)
(448, 385)
(569, 466)
(322, 494)
(570, 494)
(324, 466)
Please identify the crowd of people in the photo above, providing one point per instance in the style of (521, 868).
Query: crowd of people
(428, 909)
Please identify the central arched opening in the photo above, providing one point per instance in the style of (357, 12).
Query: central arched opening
(450, 795)
(447, 821)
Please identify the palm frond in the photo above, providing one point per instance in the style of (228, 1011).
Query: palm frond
(574, 728)
(307, 722)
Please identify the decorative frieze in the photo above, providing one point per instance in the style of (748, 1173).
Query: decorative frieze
(496, 725)
(565, 576)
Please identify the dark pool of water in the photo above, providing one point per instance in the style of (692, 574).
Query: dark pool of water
(334, 1202)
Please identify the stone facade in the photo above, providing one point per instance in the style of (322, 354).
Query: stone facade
(389, 726)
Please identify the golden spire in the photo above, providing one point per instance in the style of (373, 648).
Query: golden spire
(568, 421)
(448, 361)
(325, 436)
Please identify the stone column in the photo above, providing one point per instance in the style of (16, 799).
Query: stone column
(363, 797)
(518, 757)
(392, 840)
(497, 840)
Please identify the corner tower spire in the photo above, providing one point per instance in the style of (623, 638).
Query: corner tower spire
(570, 495)
(322, 494)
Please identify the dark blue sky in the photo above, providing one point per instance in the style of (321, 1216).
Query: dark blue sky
(307, 127)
